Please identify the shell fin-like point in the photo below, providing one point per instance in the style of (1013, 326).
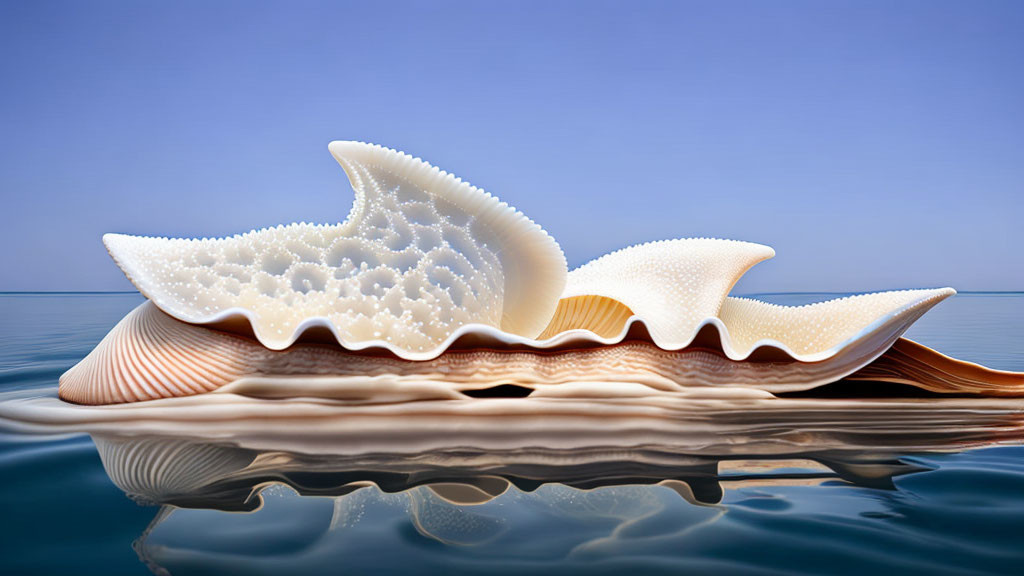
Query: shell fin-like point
(421, 254)
(673, 286)
(814, 332)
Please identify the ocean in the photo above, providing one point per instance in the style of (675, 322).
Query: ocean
(910, 485)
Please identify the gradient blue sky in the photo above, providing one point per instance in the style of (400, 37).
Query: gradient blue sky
(873, 144)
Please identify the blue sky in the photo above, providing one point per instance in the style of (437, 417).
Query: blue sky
(874, 145)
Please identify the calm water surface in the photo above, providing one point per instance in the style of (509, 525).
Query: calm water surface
(798, 487)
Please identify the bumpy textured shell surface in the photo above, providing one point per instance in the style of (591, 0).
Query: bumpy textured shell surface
(818, 331)
(672, 285)
(678, 288)
(421, 254)
(445, 290)
(150, 355)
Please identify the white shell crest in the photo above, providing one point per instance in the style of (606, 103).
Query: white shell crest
(421, 254)
(672, 285)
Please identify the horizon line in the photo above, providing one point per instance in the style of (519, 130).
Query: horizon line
(782, 293)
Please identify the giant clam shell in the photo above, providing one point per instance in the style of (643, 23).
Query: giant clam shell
(434, 289)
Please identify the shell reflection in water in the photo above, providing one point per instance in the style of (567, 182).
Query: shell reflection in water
(486, 500)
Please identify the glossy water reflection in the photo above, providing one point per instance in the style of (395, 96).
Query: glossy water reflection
(241, 485)
(590, 509)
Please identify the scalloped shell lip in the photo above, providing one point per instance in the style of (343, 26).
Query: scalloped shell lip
(921, 305)
(569, 337)
(929, 299)
(482, 330)
(585, 337)
(655, 280)
(546, 300)
(151, 355)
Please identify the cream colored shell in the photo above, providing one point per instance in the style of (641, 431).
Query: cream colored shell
(857, 327)
(678, 288)
(150, 355)
(809, 332)
(425, 262)
(421, 254)
(672, 285)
